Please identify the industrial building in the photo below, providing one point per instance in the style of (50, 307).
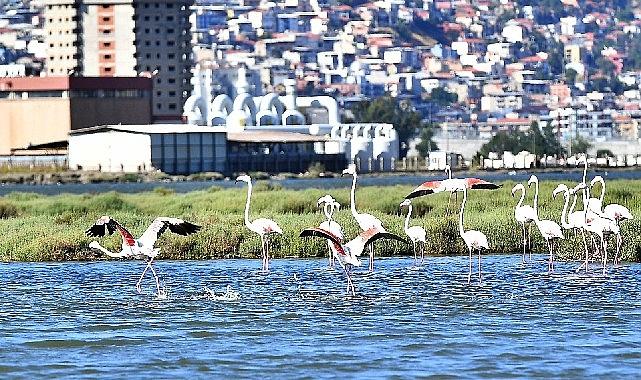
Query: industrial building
(124, 38)
(170, 148)
(39, 112)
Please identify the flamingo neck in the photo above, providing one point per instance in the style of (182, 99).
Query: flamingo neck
(327, 213)
(564, 213)
(249, 196)
(105, 251)
(460, 217)
(353, 197)
(602, 191)
(585, 169)
(407, 218)
(536, 199)
(521, 199)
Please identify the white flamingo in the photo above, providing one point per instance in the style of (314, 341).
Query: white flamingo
(619, 214)
(263, 227)
(474, 240)
(525, 215)
(416, 234)
(330, 205)
(347, 254)
(575, 220)
(550, 230)
(143, 247)
(365, 221)
(598, 225)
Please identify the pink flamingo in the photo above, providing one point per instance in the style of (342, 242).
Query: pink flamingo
(416, 234)
(525, 215)
(474, 240)
(329, 207)
(550, 230)
(347, 254)
(143, 247)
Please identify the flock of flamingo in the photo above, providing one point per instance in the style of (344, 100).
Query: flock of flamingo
(594, 221)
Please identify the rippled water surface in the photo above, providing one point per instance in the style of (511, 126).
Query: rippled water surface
(86, 320)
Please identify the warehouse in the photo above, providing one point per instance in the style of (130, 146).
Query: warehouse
(171, 148)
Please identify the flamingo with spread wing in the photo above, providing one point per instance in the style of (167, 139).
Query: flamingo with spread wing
(347, 254)
(143, 247)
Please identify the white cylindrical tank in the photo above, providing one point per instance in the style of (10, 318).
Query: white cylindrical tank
(361, 143)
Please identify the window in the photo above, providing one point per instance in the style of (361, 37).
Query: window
(171, 68)
(157, 30)
(107, 69)
(170, 18)
(158, 93)
(170, 30)
(158, 106)
(172, 106)
(171, 43)
(147, 30)
(146, 18)
(148, 56)
(146, 5)
(169, 5)
(171, 80)
(157, 43)
(147, 43)
(106, 44)
(157, 5)
(171, 56)
(106, 19)
(172, 93)
(107, 56)
(105, 6)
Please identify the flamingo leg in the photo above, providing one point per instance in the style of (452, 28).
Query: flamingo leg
(480, 266)
(604, 241)
(469, 275)
(371, 257)
(619, 242)
(262, 249)
(550, 259)
(529, 240)
(143, 275)
(266, 253)
(155, 277)
(524, 242)
(414, 245)
(422, 252)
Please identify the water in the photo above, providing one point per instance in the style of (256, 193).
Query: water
(321, 183)
(86, 320)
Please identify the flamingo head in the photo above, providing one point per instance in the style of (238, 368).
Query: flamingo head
(596, 179)
(561, 187)
(94, 245)
(406, 202)
(325, 199)
(533, 179)
(351, 169)
(582, 159)
(243, 178)
(517, 187)
(578, 187)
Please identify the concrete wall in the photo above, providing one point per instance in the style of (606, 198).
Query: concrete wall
(33, 121)
(465, 147)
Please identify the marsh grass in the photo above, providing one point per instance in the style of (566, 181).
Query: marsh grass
(51, 228)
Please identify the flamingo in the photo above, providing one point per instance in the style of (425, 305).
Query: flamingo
(143, 247)
(415, 233)
(329, 207)
(474, 240)
(263, 227)
(619, 214)
(549, 229)
(596, 204)
(575, 220)
(365, 221)
(451, 185)
(598, 225)
(347, 254)
(525, 215)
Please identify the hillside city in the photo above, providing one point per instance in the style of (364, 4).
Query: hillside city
(471, 69)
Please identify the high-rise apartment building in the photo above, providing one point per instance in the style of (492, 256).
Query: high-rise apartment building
(124, 38)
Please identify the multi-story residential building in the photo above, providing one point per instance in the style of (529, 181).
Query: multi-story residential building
(124, 38)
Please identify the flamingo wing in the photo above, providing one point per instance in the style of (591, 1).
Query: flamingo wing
(475, 183)
(160, 225)
(320, 232)
(332, 227)
(617, 212)
(358, 244)
(429, 187)
(106, 225)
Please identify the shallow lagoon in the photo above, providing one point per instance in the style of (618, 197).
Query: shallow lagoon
(86, 320)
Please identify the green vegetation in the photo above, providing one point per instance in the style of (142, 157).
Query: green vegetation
(51, 228)
(580, 145)
(534, 141)
(408, 123)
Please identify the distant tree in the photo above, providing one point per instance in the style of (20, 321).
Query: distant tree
(580, 145)
(427, 143)
(443, 97)
(602, 153)
(407, 122)
(534, 141)
(570, 77)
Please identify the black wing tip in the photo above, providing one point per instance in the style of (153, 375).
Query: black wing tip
(418, 193)
(184, 228)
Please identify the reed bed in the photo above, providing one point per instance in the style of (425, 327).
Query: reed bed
(51, 228)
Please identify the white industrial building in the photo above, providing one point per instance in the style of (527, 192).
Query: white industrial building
(171, 148)
(360, 143)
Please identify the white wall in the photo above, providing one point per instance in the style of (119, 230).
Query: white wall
(111, 151)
